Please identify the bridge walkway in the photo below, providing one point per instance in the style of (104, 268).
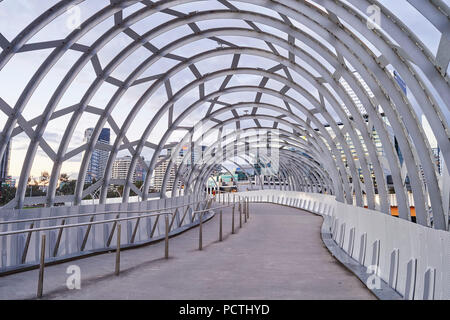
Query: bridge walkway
(278, 254)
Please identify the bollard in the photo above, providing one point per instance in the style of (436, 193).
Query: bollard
(220, 226)
(245, 210)
(118, 250)
(166, 247)
(240, 215)
(248, 210)
(41, 268)
(232, 220)
(200, 238)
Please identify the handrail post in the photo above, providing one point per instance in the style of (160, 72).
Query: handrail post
(200, 232)
(27, 244)
(232, 220)
(245, 210)
(133, 236)
(88, 230)
(41, 268)
(58, 240)
(173, 218)
(108, 243)
(184, 215)
(154, 226)
(248, 209)
(166, 247)
(220, 225)
(240, 215)
(118, 250)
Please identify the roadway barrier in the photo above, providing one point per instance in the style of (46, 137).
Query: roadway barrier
(414, 260)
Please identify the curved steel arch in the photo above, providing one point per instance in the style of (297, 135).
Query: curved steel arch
(243, 117)
(396, 47)
(316, 154)
(284, 138)
(169, 103)
(295, 161)
(206, 171)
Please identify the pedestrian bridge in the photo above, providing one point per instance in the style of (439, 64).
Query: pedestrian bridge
(123, 121)
(264, 259)
(269, 244)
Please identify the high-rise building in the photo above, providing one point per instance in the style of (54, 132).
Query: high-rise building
(160, 171)
(99, 158)
(164, 160)
(121, 166)
(140, 172)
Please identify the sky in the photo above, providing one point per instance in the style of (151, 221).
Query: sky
(17, 14)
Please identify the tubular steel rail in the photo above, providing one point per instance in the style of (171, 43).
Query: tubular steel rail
(63, 225)
(243, 209)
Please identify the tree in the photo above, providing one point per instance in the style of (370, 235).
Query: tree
(64, 177)
(68, 187)
(45, 176)
(8, 193)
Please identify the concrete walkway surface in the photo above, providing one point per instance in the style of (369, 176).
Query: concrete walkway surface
(278, 254)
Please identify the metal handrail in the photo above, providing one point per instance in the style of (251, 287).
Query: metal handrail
(243, 204)
(115, 221)
(214, 208)
(95, 213)
(65, 226)
(90, 223)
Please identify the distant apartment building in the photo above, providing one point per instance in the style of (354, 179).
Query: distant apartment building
(99, 158)
(161, 168)
(195, 157)
(159, 173)
(121, 166)
(196, 154)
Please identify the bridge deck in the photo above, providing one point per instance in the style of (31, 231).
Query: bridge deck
(278, 254)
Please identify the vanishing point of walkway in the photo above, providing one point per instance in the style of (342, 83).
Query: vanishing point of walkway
(278, 254)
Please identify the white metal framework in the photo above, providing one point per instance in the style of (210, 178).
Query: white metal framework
(327, 85)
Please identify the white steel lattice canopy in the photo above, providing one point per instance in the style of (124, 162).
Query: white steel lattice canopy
(319, 72)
